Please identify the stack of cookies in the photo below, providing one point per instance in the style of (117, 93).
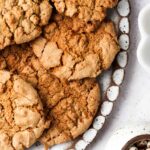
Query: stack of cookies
(50, 55)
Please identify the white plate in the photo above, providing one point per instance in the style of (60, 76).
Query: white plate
(121, 137)
(143, 52)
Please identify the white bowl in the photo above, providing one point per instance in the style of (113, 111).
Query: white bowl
(143, 51)
(122, 137)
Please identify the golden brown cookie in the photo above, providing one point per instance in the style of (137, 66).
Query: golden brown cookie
(21, 20)
(73, 55)
(74, 114)
(87, 10)
(22, 120)
(21, 60)
(72, 105)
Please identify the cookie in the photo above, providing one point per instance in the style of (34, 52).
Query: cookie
(21, 20)
(75, 55)
(72, 105)
(21, 60)
(73, 115)
(22, 120)
(87, 10)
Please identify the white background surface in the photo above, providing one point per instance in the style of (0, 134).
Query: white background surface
(133, 104)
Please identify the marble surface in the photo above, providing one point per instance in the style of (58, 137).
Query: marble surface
(133, 104)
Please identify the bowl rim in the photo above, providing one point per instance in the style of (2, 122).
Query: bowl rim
(138, 138)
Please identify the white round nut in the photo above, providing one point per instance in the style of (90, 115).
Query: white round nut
(141, 144)
(148, 144)
(133, 148)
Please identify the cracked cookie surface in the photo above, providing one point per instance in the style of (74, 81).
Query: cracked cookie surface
(71, 105)
(22, 120)
(76, 55)
(21, 20)
(73, 115)
(87, 10)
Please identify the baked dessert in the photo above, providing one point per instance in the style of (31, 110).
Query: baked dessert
(21, 60)
(75, 47)
(74, 114)
(22, 20)
(87, 10)
(75, 55)
(22, 120)
(71, 105)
